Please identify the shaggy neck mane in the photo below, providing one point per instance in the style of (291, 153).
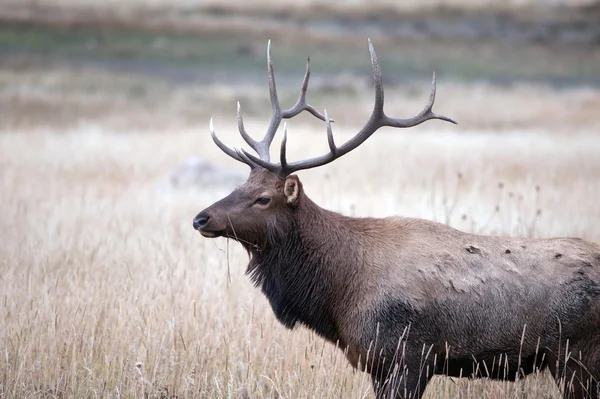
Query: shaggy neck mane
(301, 271)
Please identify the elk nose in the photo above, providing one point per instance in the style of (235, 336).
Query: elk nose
(200, 221)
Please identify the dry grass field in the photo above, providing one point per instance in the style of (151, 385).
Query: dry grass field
(107, 291)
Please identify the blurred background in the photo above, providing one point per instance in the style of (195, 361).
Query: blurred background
(68, 62)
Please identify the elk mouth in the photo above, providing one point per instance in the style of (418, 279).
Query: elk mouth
(211, 233)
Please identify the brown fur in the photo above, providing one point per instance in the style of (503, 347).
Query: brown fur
(417, 294)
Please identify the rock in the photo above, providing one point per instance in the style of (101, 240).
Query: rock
(197, 173)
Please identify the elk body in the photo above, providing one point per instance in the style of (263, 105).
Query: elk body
(408, 298)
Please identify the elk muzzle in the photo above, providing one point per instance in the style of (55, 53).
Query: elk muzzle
(206, 226)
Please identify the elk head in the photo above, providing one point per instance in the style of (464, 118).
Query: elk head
(256, 211)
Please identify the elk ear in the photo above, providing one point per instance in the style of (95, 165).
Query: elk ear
(292, 189)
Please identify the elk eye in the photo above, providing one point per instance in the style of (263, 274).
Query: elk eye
(262, 200)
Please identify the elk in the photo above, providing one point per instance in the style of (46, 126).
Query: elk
(407, 298)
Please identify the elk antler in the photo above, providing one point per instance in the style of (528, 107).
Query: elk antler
(283, 168)
(262, 147)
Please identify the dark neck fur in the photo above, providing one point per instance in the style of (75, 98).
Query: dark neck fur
(298, 272)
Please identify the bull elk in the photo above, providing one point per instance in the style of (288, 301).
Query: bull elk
(406, 298)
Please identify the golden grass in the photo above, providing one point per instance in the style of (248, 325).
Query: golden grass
(108, 292)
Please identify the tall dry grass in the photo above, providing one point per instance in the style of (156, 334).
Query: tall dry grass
(108, 292)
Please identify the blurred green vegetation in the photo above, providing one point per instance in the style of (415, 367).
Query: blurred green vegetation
(180, 57)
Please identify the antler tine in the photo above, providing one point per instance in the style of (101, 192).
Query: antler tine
(265, 164)
(378, 114)
(283, 150)
(330, 141)
(264, 145)
(429, 106)
(251, 142)
(301, 104)
(261, 147)
(244, 157)
(232, 153)
(425, 115)
(379, 97)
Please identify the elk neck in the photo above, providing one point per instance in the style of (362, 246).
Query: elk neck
(307, 271)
